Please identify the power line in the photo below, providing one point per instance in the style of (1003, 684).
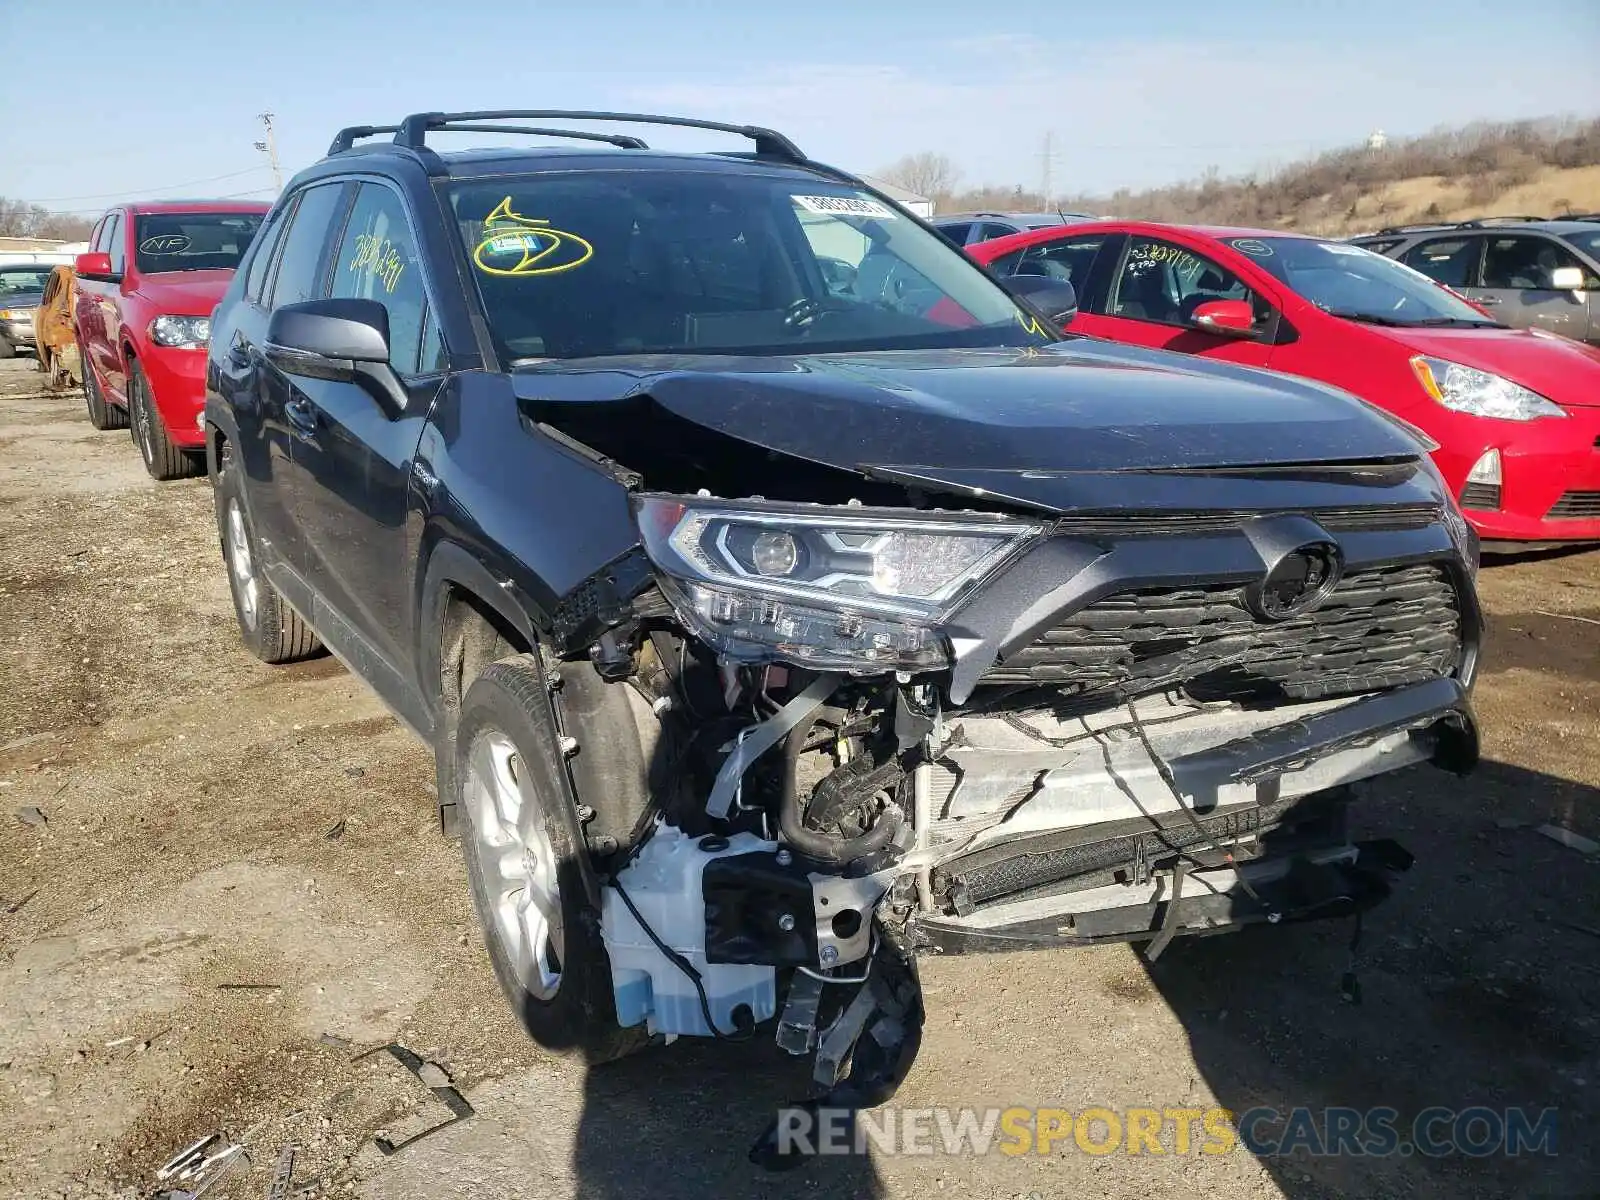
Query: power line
(100, 208)
(145, 191)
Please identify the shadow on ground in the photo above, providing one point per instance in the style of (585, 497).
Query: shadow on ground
(1479, 982)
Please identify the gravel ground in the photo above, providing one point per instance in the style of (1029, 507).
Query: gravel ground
(213, 822)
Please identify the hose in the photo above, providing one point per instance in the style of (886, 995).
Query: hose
(821, 846)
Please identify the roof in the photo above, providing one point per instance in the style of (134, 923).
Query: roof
(1555, 225)
(143, 207)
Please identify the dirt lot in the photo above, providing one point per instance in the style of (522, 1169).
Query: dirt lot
(215, 822)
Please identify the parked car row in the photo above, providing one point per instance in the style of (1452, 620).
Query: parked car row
(784, 597)
(1514, 414)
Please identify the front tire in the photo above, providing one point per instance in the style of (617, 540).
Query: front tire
(515, 806)
(269, 628)
(162, 459)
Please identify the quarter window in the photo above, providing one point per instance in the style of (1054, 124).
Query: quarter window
(300, 273)
(1450, 261)
(378, 261)
(956, 233)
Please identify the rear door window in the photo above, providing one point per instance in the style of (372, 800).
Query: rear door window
(991, 231)
(1070, 259)
(302, 273)
(1451, 261)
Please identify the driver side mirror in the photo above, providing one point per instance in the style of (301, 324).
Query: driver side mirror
(1225, 318)
(1056, 298)
(344, 340)
(325, 339)
(95, 266)
(1567, 279)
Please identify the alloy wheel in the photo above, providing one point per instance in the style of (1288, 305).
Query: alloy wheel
(517, 861)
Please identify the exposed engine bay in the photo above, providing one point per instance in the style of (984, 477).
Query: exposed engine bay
(1161, 761)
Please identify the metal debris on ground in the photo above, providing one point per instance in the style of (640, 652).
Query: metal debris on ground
(185, 1156)
(445, 1093)
(1567, 617)
(336, 831)
(249, 987)
(337, 1042)
(282, 1173)
(30, 814)
(16, 905)
(1573, 841)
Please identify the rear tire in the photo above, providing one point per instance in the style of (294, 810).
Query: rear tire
(269, 628)
(516, 806)
(162, 459)
(102, 415)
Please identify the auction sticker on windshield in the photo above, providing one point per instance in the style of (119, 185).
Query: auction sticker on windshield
(844, 206)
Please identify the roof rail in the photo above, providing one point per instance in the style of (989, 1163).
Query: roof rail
(1480, 222)
(413, 131)
(1572, 216)
(1388, 229)
(347, 137)
(350, 134)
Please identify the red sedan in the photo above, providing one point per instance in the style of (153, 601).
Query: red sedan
(143, 318)
(1515, 413)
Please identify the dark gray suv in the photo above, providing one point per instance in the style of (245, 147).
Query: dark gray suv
(1531, 273)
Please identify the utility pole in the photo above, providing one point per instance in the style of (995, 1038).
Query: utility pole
(270, 147)
(1045, 158)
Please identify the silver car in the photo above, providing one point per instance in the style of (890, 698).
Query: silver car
(1531, 273)
(21, 286)
(966, 229)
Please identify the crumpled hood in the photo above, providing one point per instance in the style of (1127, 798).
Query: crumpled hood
(1558, 368)
(185, 293)
(1082, 405)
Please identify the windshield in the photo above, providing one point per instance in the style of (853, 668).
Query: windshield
(22, 281)
(641, 262)
(1589, 243)
(1349, 281)
(208, 241)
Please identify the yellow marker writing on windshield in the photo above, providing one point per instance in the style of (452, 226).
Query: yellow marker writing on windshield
(522, 246)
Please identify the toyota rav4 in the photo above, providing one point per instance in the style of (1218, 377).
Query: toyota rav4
(785, 599)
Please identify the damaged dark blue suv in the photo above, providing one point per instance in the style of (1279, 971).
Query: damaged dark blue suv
(785, 599)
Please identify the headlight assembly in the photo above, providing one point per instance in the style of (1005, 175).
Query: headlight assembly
(845, 589)
(1469, 390)
(190, 332)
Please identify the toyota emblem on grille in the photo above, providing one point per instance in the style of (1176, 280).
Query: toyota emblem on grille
(1297, 583)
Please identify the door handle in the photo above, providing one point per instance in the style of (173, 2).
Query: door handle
(1490, 301)
(302, 415)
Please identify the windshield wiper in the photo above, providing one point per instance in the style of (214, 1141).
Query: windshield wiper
(1463, 322)
(1366, 318)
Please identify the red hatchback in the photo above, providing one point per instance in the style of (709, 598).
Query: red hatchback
(1515, 413)
(146, 290)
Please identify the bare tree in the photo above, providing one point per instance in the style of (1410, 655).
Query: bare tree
(18, 218)
(927, 174)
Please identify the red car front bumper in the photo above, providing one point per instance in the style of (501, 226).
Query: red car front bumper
(178, 383)
(1546, 464)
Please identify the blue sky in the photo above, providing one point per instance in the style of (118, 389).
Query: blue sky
(1134, 93)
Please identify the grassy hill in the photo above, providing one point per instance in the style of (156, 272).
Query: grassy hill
(1541, 168)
